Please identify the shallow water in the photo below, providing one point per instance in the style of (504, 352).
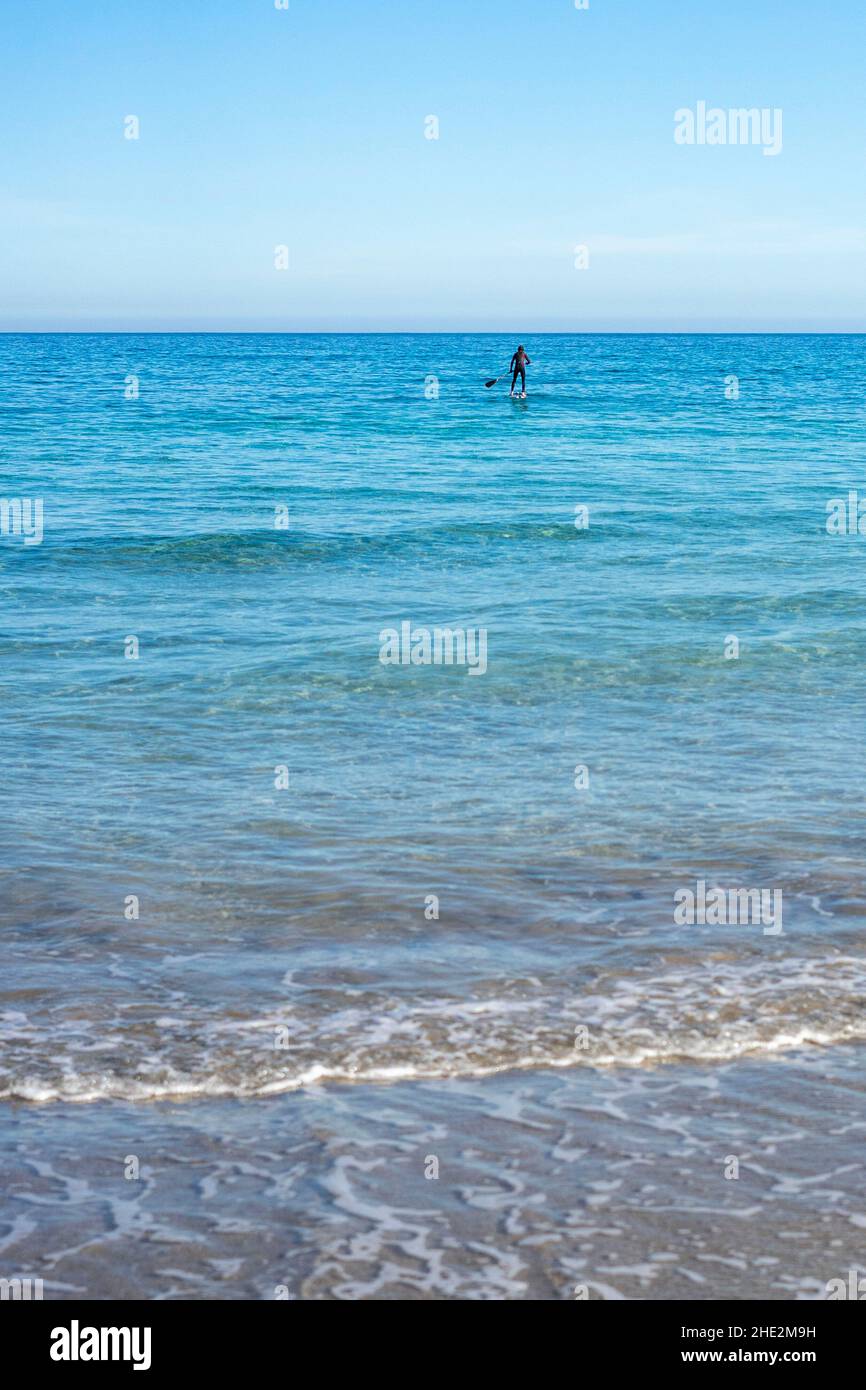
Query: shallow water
(281, 940)
(543, 1185)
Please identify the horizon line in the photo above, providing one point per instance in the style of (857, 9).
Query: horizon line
(437, 332)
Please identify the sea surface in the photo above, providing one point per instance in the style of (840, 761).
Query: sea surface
(327, 978)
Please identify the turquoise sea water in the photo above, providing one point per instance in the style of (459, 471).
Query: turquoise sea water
(281, 948)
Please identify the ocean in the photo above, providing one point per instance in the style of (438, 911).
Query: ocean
(328, 975)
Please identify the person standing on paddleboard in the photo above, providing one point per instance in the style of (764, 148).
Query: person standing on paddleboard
(519, 363)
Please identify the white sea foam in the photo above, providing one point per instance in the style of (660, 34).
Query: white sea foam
(636, 1020)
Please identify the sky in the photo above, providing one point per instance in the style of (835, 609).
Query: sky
(307, 127)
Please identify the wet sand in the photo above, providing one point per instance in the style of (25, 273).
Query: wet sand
(551, 1185)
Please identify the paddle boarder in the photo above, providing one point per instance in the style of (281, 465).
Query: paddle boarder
(519, 363)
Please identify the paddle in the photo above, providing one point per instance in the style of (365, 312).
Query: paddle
(493, 380)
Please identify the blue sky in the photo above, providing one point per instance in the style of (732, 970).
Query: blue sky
(306, 128)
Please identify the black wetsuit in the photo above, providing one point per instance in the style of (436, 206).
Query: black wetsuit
(519, 363)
